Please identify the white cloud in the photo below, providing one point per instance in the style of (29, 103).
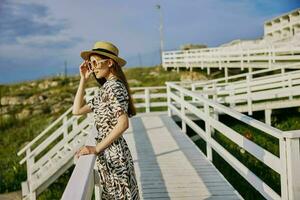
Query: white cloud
(44, 40)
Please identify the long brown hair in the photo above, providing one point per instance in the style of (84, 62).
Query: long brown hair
(117, 71)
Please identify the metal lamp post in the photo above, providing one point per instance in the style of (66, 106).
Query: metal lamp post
(161, 32)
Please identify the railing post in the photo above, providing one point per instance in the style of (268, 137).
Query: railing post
(215, 114)
(215, 94)
(75, 123)
(268, 116)
(270, 58)
(32, 196)
(65, 126)
(290, 85)
(193, 89)
(147, 100)
(284, 84)
(249, 98)
(98, 187)
(242, 57)
(183, 124)
(293, 166)
(226, 74)
(208, 131)
(273, 54)
(283, 175)
(231, 94)
(282, 71)
(30, 163)
(248, 57)
(250, 69)
(169, 100)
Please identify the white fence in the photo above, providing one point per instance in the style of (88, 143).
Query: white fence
(45, 151)
(284, 165)
(48, 155)
(232, 57)
(243, 76)
(249, 90)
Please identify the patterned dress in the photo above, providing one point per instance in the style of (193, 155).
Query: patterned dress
(115, 163)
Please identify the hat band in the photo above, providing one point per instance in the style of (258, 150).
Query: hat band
(105, 51)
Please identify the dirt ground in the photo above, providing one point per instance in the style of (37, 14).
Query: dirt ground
(17, 195)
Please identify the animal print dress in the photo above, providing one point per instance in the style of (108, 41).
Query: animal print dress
(115, 164)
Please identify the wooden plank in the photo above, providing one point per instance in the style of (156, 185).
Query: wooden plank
(169, 165)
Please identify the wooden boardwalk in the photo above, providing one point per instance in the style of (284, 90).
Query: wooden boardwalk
(168, 165)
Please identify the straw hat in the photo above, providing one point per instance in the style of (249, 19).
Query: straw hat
(104, 48)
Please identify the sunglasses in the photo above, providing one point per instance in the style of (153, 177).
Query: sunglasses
(93, 64)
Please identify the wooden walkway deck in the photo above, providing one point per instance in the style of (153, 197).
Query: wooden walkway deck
(169, 165)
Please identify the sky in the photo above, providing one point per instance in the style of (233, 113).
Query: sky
(38, 38)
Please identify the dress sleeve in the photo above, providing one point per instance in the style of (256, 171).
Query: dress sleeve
(118, 99)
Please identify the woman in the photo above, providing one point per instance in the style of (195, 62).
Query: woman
(111, 108)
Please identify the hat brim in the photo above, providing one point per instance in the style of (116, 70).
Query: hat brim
(86, 54)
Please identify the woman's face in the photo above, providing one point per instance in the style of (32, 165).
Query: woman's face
(100, 66)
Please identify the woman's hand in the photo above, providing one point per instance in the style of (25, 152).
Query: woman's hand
(84, 71)
(85, 150)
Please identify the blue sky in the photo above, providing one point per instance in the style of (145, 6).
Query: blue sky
(37, 37)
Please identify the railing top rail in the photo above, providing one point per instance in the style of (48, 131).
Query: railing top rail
(148, 87)
(134, 88)
(78, 184)
(244, 118)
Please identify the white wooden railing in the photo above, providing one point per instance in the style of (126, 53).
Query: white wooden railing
(243, 76)
(50, 150)
(237, 56)
(251, 90)
(85, 177)
(57, 142)
(151, 97)
(285, 165)
(49, 146)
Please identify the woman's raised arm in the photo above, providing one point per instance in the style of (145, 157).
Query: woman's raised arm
(78, 108)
